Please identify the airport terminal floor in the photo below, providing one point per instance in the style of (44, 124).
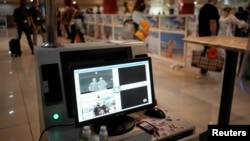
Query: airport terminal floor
(196, 100)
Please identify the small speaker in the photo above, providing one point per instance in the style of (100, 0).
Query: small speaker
(51, 84)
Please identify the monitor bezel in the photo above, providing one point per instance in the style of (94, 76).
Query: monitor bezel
(114, 115)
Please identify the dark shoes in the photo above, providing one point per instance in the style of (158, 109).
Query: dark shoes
(19, 54)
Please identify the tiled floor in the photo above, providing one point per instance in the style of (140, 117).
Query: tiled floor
(196, 100)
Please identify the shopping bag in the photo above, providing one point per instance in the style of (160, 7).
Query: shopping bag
(145, 25)
(141, 34)
(209, 63)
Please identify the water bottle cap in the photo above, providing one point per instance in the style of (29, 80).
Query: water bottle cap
(103, 128)
(86, 128)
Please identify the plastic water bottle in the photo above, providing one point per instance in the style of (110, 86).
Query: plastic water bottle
(103, 134)
(86, 134)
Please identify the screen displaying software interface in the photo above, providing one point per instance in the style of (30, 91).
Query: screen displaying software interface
(109, 89)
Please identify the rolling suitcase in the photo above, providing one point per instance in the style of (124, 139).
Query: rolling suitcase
(14, 47)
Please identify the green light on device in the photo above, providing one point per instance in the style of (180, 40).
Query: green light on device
(56, 116)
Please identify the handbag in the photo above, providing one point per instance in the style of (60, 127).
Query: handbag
(141, 34)
(215, 63)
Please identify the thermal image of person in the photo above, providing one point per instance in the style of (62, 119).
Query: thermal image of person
(102, 84)
(93, 86)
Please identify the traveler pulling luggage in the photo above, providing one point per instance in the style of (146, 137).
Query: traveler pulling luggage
(14, 48)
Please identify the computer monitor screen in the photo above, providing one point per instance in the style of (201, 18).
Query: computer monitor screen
(90, 56)
(106, 90)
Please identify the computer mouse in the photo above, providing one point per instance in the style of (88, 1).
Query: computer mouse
(155, 112)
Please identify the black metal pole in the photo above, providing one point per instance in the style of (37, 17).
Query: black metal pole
(228, 87)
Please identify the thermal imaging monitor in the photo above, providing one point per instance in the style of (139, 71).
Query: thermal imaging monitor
(109, 91)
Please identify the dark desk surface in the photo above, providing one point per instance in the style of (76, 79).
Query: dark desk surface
(171, 127)
(226, 42)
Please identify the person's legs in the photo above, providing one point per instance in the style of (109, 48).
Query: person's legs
(204, 71)
(19, 36)
(28, 36)
(59, 31)
(35, 32)
(19, 32)
(42, 33)
(240, 62)
(66, 26)
(73, 33)
(82, 37)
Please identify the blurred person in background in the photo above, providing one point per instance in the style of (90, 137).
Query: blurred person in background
(22, 20)
(241, 33)
(142, 26)
(77, 24)
(228, 24)
(98, 10)
(208, 25)
(241, 14)
(59, 21)
(228, 21)
(37, 21)
(124, 9)
(66, 18)
(89, 11)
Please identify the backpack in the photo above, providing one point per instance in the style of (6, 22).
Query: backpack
(129, 29)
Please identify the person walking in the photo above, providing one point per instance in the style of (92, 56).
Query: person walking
(37, 21)
(77, 24)
(22, 20)
(229, 25)
(139, 19)
(241, 14)
(228, 21)
(208, 25)
(58, 22)
(66, 18)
